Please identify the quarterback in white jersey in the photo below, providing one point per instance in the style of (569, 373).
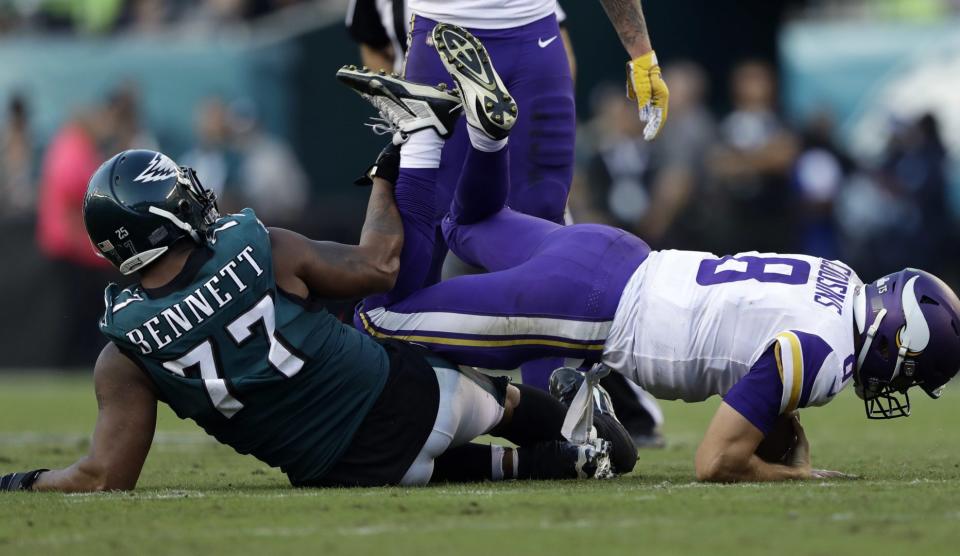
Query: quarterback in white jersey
(769, 333)
(690, 325)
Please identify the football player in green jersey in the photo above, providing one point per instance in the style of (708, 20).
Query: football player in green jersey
(223, 328)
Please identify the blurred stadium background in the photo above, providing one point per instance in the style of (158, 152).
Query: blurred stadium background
(829, 127)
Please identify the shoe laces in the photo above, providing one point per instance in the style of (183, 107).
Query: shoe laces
(389, 121)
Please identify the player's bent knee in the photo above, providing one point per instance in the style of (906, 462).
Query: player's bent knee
(510, 402)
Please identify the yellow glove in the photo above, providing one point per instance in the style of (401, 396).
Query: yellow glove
(646, 86)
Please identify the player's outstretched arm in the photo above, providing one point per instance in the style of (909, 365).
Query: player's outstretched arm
(123, 433)
(334, 270)
(728, 452)
(627, 18)
(644, 82)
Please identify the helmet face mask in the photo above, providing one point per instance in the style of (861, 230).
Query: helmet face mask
(139, 203)
(885, 400)
(912, 340)
(205, 199)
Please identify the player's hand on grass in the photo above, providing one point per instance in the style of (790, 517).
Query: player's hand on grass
(645, 85)
(828, 474)
(20, 481)
(799, 456)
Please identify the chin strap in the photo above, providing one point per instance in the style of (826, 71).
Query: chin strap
(871, 332)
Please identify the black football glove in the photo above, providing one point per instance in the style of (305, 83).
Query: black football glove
(387, 167)
(20, 481)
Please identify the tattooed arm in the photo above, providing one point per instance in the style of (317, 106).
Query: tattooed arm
(627, 18)
(644, 81)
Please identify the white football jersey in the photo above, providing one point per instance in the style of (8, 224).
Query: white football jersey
(690, 325)
(484, 14)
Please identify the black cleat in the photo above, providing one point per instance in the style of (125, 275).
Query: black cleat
(564, 384)
(559, 459)
(487, 104)
(405, 107)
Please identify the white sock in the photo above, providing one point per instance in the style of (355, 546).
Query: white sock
(481, 142)
(496, 462)
(422, 150)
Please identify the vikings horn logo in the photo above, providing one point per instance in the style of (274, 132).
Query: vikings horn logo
(915, 335)
(159, 169)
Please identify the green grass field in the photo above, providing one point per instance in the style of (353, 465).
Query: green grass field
(197, 497)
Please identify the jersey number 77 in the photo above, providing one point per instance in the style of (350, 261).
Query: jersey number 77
(241, 329)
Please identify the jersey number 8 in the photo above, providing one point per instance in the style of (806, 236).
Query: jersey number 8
(780, 270)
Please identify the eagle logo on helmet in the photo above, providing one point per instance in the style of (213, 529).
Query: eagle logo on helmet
(159, 168)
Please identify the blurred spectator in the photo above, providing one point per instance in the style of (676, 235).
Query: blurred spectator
(211, 158)
(126, 129)
(148, 16)
(99, 17)
(17, 187)
(215, 13)
(271, 180)
(88, 16)
(679, 154)
(819, 173)
(641, 186)
(72, 157)
(900, 209)
(616, 189)
(914, 170)
(751, 165)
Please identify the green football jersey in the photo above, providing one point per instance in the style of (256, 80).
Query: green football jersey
(257, 368)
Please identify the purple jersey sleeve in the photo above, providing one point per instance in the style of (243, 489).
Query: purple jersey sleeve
(756, 396)
(781, 380)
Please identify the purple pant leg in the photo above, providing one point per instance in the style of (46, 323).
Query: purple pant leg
(542, 141)
(414, 192)
(419, 202)
(479, 229)
(558, 303)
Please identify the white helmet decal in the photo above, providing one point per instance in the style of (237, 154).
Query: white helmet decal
(159, 169)
(915, 335)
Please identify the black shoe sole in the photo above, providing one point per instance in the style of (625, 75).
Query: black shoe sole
(444, 104)
(463, 51)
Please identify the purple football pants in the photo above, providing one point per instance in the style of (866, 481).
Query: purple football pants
(541, 149)
(551, 290)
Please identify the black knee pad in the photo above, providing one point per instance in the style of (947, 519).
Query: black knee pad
(537, 418)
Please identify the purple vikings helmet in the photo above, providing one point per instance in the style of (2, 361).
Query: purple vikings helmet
(909, 326)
